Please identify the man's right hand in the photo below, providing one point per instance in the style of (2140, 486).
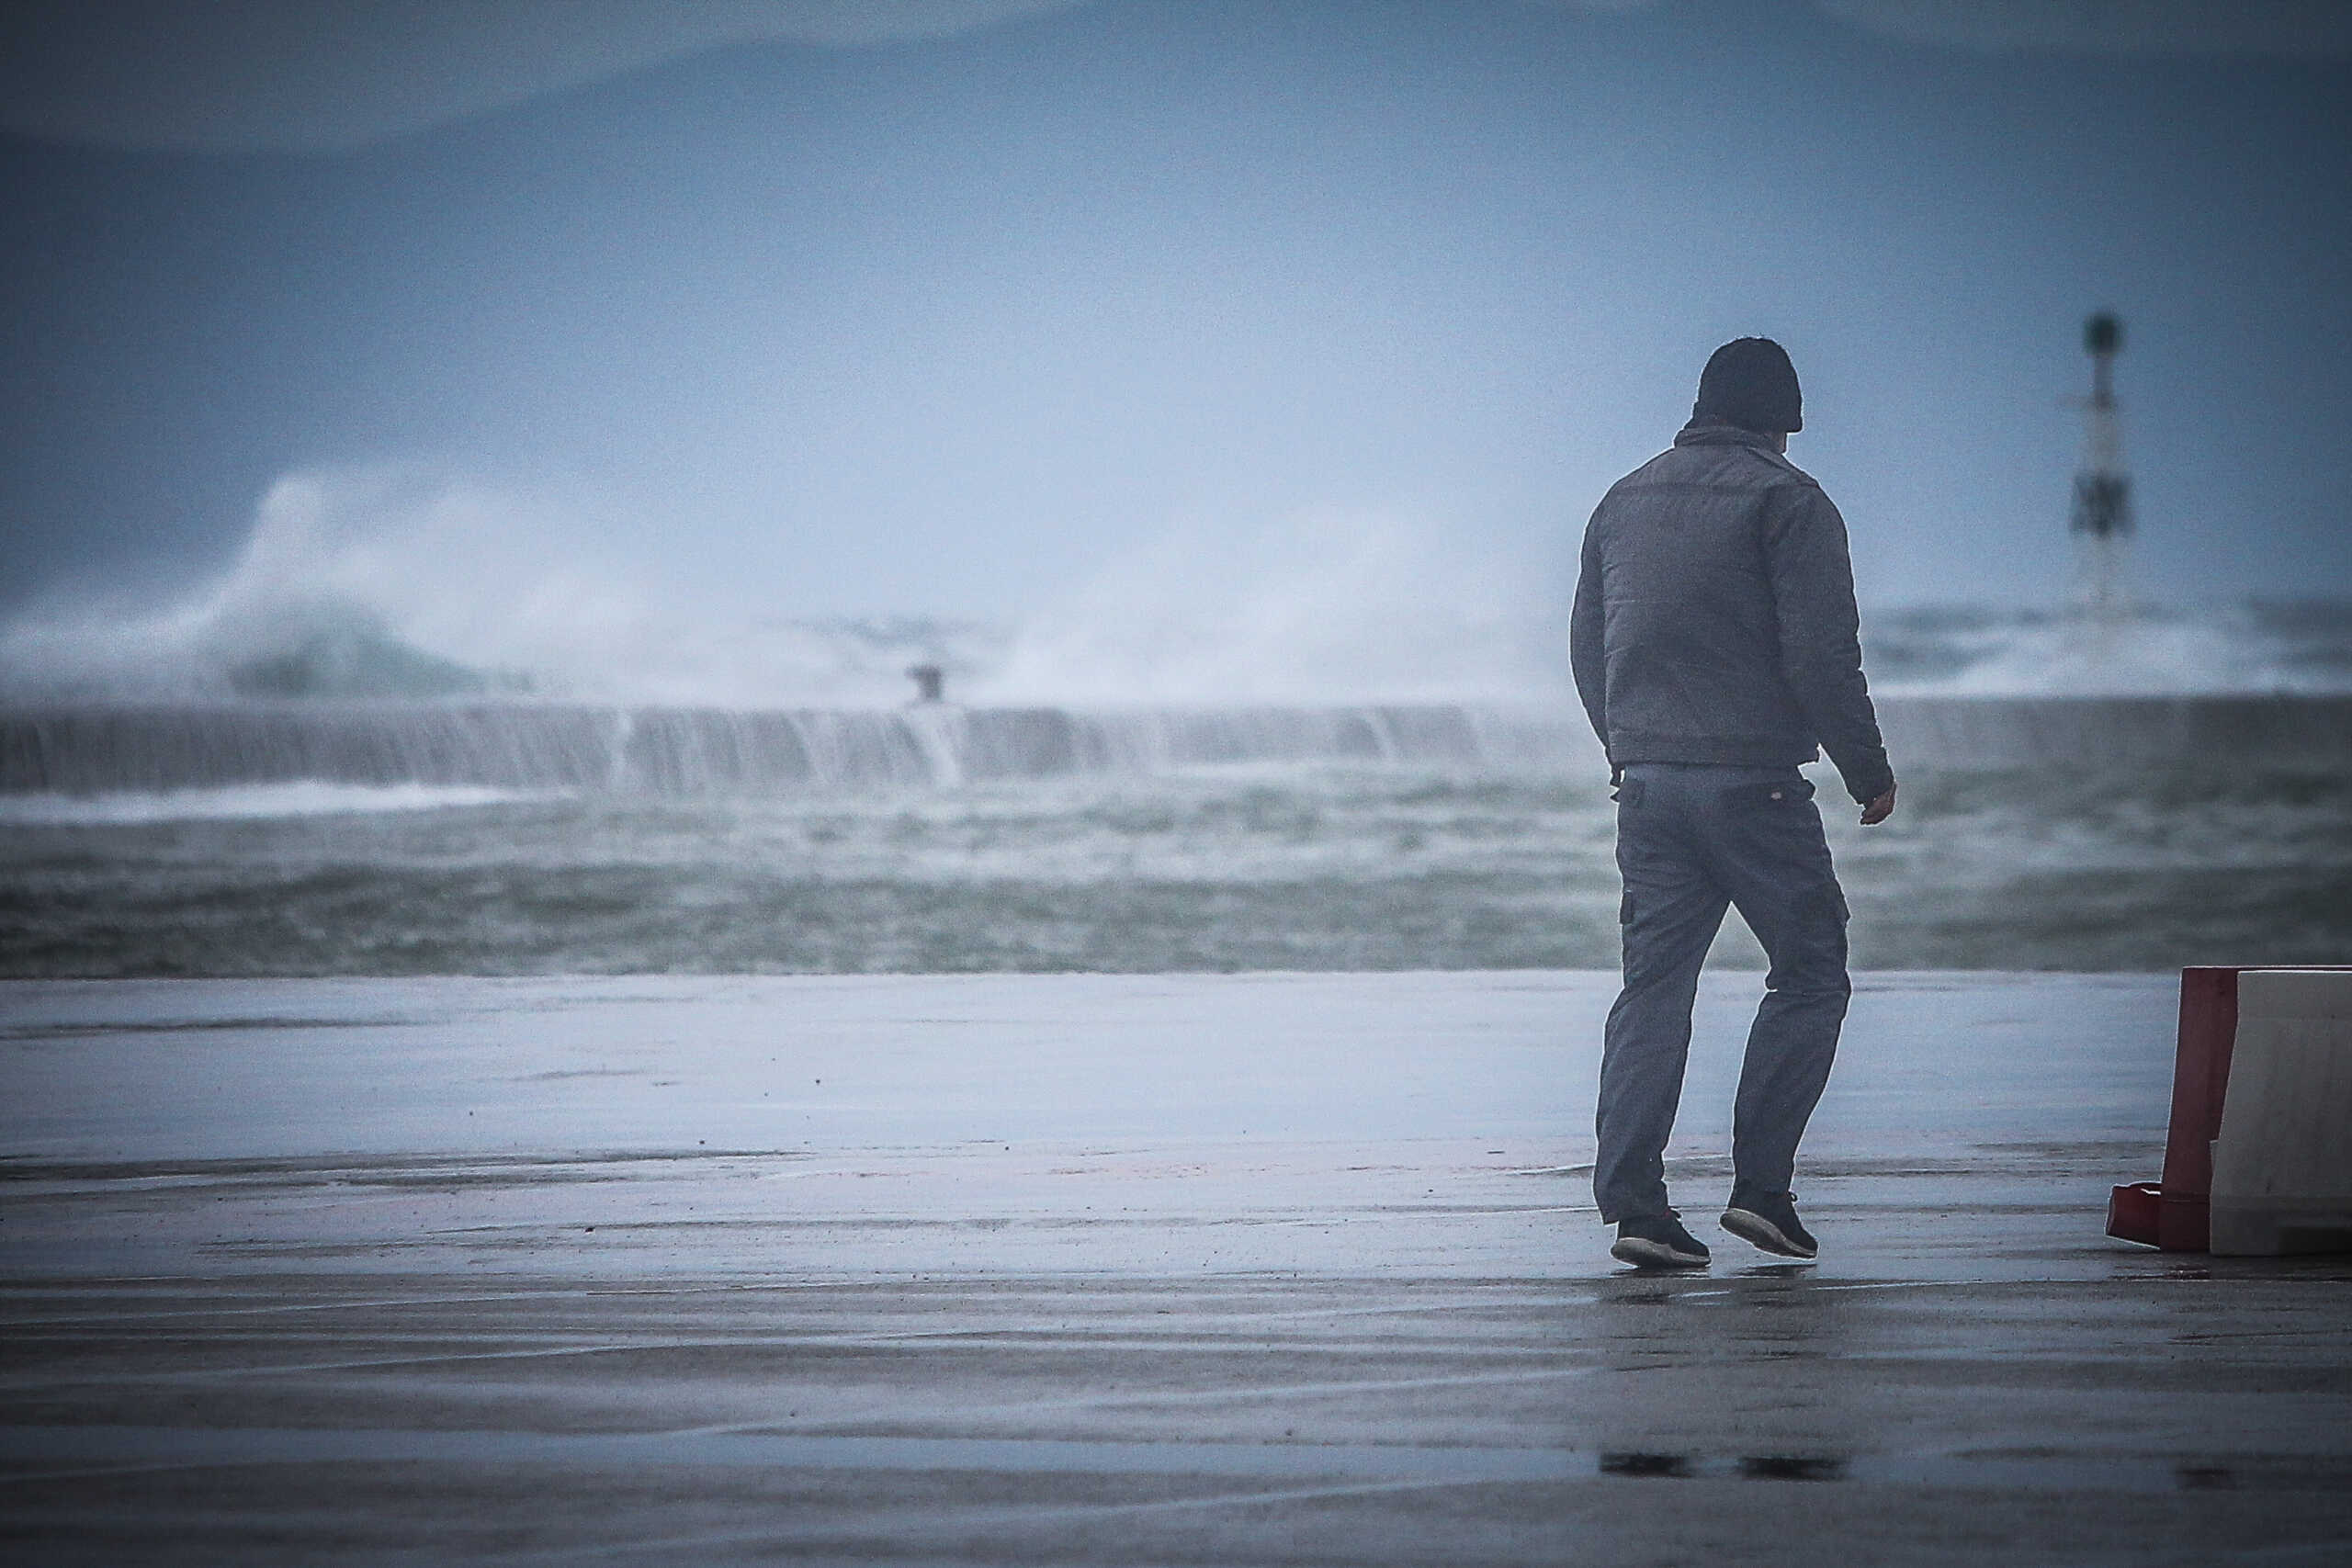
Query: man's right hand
(1879, 810)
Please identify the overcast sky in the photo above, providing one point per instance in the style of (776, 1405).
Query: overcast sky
(836, 309)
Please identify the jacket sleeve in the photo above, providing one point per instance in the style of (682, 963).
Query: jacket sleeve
(1821, 646)
(1587, 625)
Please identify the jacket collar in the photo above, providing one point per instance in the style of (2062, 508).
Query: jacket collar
(1720, 432)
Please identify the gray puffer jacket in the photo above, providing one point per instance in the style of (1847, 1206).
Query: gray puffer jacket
(1714, 616)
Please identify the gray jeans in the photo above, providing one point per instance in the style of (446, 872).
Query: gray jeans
(1692, 840)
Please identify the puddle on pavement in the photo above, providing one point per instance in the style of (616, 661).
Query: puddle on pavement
(58, 1446)
(2039, 1473)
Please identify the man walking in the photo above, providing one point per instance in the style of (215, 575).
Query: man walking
(1716, 647)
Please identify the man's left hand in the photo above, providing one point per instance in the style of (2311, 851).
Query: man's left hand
(1879, 810)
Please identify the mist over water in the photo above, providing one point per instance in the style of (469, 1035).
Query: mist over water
(390, 584)
(376, 585)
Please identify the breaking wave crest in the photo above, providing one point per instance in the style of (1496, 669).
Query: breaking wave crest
(385, 585)
(2261, 648)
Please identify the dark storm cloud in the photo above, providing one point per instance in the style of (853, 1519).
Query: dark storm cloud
(321, 75)
(324, 76)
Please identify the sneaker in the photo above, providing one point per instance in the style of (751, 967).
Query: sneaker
(1658, 1242)
(1769, 1220)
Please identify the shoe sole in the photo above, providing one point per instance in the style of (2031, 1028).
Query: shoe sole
(1757, 1231)
(1643, 1254)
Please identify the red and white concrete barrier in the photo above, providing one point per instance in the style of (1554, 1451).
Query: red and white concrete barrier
(2260, 1156)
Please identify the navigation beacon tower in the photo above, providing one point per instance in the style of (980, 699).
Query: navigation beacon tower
(2102, 517)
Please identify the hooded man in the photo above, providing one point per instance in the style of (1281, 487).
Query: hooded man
(1716, 647)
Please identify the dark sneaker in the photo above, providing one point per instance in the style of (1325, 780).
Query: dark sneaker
(1658, 1242)
(1769, 1220)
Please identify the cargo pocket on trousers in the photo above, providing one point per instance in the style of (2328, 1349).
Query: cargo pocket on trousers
(1766, 796)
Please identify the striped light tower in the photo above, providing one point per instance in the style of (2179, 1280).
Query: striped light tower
(2102, 518)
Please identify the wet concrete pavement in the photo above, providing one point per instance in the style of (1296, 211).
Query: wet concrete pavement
(1210, 1270)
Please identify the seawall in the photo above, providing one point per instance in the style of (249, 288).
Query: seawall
(675, 751)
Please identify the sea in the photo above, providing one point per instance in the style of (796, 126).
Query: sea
(2133, 795)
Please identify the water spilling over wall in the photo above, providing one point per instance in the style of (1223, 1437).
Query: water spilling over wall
(689, 752)
(699, 751)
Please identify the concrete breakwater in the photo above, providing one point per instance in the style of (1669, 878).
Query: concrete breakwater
(694, 751)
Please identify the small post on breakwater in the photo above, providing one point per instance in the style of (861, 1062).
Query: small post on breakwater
(2102, 519)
